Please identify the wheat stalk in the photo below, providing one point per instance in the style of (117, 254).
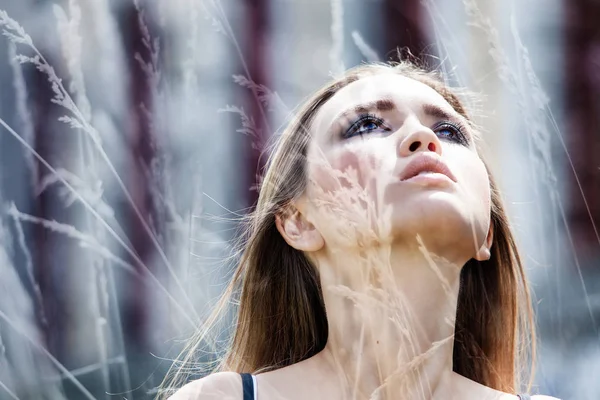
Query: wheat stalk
(17, 34)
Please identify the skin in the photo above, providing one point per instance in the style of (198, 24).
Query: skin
(367, 343)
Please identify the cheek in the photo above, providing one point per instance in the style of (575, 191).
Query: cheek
(477, 191)
(481, 184)
(341, 188)
(348, 167)
(472, 175)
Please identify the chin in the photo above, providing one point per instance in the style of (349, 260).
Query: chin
(444, 226)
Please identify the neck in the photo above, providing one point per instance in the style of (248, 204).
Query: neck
(391, 312)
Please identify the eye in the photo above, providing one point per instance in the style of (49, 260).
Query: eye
(451, 131)
(365, 124)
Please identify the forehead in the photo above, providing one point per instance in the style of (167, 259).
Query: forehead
(406, 93)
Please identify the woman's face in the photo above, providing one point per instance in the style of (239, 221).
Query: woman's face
(363, 138)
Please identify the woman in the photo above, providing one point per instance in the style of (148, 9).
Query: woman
(379, 262)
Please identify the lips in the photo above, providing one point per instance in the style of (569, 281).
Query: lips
(426, 163)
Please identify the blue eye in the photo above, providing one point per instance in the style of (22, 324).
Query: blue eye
(370, 125)
(365, 124)
(451, 132)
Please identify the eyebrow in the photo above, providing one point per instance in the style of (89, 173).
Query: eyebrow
(438, 112)
(379, 105)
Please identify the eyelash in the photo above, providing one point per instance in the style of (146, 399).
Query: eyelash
(353, 130)
(457, 127)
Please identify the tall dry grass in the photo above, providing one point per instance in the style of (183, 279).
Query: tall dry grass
(178, 235)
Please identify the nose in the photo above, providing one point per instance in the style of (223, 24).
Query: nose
(420, 138)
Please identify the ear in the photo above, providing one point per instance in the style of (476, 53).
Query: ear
(484, 252)
(297, 231)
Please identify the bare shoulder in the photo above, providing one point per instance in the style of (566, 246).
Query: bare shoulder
(217, 386)
(542, 397)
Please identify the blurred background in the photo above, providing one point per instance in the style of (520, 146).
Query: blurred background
(132, 133)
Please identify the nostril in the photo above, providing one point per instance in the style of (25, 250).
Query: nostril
(414, 146)
(431, 146)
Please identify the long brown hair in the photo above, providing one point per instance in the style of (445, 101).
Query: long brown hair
(281, 318)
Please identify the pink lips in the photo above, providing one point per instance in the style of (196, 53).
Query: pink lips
(426, 163)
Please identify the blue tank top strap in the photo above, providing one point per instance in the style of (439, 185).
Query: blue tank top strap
(248, 386)
(524, 397)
